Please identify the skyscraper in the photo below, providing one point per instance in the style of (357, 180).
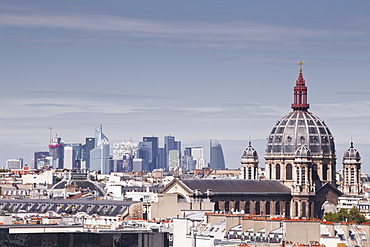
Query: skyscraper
(217, 160)
(154, 141)
(99, 156)
(89, 145)
(72, 155)
(188, 163)
(145, 153)
(171, 144)
(56, 149)
(123, 155)
(40, 160)
(14, 164)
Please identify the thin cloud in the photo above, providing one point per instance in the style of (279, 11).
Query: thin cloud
(344, 110)
(88, 95)
(355, 93)
(134, 27)
(292, 60)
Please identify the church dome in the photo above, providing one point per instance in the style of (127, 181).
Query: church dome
(300, 127)
(303, 152)
(352, 154)
(250, 152)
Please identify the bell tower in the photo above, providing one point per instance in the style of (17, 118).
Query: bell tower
(300, 93)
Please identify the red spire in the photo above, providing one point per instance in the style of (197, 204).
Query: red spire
(300, 93)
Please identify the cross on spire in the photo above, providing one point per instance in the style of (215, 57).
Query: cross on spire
(300, 66)
(300, 93)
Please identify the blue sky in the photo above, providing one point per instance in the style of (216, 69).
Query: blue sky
(197, 70)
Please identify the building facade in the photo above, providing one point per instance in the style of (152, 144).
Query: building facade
(99, 155)
(217, 160)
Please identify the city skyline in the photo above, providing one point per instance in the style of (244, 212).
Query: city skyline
(210, 70)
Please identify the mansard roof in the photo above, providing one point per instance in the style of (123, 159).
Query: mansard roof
(235, 186)
(99, 207)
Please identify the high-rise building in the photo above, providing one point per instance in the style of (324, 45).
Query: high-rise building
(56, 150)
(123, 155)
(154, 141)
(188, 163)
(161, 158)
(171, 144)
(89, 145)
(40, 160)
(72, 156)
(99, 156)
(145, 153)
(14, 164)
(137, 165)
(217, 160)
(193, 158)
(173, 159)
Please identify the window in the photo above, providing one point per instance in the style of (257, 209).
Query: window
(258, 209)
(277, 207)
(267, 207)
(289, 172)
(277, 172)
(304, 209)
(247, 207)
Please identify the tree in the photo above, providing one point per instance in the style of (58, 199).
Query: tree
(343, 215)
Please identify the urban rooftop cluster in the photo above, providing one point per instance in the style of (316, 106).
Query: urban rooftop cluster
(127, 156)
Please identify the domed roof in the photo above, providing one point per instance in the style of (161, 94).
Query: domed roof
(299, 128)
(250, 152)
(303, 152)
(352, 153)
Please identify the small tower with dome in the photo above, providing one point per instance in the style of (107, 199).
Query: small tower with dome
(249, 163)
(352, 184)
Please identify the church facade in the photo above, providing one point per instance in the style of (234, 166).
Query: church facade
(300, 170)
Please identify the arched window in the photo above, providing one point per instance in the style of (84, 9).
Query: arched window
(237, 206)
(353, 172)
(227, 206)
(257, 208)
(324, 172)
(249, 172)
(277, 171)
(270, 171)
(267, 210)
(216, 207)
(277, 207)
(304, 209)
(289, 172)
(296, 208)
(247, 208)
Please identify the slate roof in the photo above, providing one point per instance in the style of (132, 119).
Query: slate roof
(236, 186)
(100, 207)
(81, 184)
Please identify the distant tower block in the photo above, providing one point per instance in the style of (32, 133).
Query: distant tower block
(217, 160)
(352, 184)
(249, 163)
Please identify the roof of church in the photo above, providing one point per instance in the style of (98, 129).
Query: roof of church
(300, 127)
(230, 186)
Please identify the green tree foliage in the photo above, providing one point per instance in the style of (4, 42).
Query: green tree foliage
(353, 215)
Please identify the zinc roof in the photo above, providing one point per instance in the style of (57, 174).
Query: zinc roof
(222, 186)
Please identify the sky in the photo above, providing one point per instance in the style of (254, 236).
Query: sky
(197, 70)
